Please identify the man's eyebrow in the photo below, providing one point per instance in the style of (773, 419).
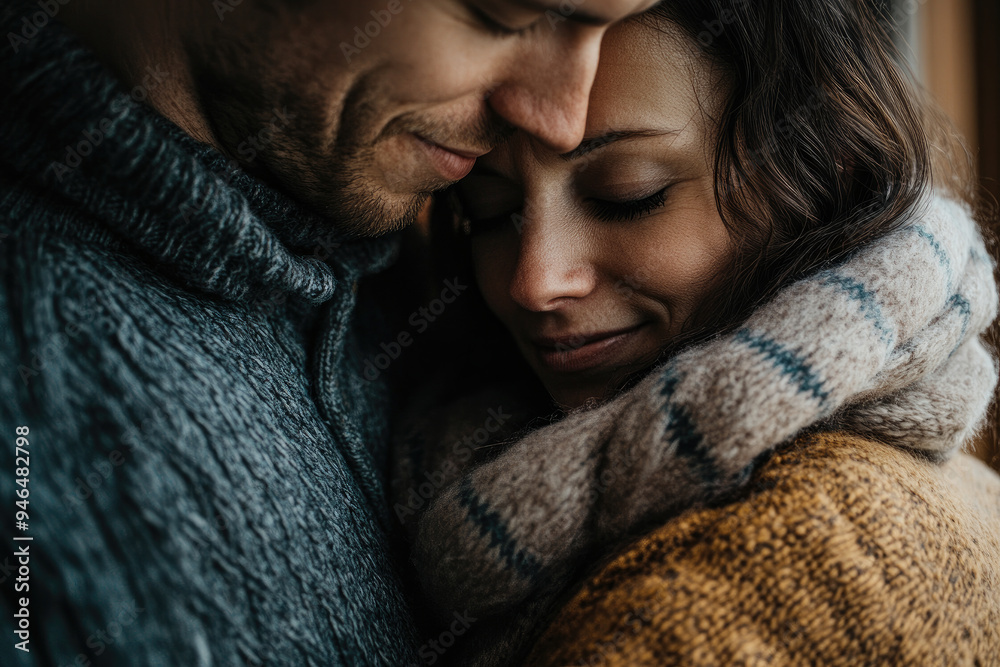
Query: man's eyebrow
(593, 143)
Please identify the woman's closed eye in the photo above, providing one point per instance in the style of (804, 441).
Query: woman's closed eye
(492, 223)
(628, 209)
(491, 213)
(487, 201)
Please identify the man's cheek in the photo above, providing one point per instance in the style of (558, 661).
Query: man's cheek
(436, 65)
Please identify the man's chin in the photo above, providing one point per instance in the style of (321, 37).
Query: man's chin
(375, 216)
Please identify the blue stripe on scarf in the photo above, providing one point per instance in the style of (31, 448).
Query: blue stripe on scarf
(490, 524)
(957, 301)
(867, 303)
(789, 363)
(978, 255)
(938, 250)
(681, 426)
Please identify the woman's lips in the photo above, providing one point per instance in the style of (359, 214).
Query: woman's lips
(452, 165)
(567, 354)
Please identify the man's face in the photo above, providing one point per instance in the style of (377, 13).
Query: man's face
(362, 108)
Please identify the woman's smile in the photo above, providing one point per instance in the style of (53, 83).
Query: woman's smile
(576, 352)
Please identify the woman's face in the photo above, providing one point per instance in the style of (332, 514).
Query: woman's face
(595, 259)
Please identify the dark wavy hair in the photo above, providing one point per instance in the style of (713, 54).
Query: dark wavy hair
(823, 142)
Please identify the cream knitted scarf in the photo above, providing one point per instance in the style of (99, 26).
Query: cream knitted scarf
(885, 345)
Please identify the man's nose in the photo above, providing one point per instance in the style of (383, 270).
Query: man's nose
(547, 91)
(553, 266)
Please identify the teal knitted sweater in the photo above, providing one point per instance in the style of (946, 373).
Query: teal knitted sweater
(185, 348)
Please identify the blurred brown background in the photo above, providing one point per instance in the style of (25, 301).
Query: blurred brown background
(953, 48)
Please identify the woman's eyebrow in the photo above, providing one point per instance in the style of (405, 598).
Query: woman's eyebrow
(593, 143)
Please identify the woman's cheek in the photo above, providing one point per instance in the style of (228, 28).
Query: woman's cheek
(678, 263)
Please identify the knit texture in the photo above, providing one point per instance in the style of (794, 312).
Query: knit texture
(843, 552)
(186, 346)
(884, 345)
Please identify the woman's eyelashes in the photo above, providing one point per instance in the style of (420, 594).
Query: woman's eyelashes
(486, 224)
(629, 209)
(484, 209)
(484, 219)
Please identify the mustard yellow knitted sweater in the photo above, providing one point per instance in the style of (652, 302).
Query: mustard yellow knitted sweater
(843, 552)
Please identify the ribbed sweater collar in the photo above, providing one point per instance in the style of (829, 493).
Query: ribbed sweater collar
(146, 184)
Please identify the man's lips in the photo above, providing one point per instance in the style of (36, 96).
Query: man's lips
(576, 352)
(453, 164)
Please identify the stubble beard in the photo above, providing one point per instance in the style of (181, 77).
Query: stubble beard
(361, 205)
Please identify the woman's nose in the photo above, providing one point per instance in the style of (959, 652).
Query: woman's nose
(553, 265)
